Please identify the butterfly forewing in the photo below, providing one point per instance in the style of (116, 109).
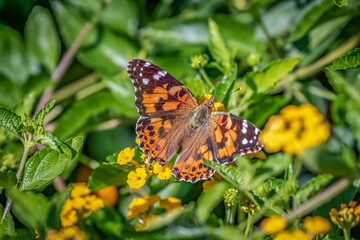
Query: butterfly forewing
(157, 93)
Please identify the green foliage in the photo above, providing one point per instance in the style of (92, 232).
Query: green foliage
(271, 53)
(350, 60)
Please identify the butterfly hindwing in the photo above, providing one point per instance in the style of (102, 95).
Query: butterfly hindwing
(232, 134)
(157, 93)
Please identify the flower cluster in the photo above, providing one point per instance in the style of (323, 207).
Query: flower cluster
(138, 177)
(72, 232)
(348, 216)
(144, 208)
(81, 204)
(313, 226)
(295, 130)
(246, 205)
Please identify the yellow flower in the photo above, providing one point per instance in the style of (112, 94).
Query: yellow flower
(137, 140)
(137, 179)
(125, 156)
(273, 224)
(69, 219)
(171, 203)
(79, 189)
(109, 195)
(205, 97)
(348, 217)
(208, 184)
(246, 205)
(144, 157)
(298, 234)
(72, 232)
(316, 225)
(258, 155)
(137, 207)
(151, 200)
(164, 172)
(295, 130)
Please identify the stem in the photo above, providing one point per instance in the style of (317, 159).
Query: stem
(346, 232)
(206, 78)
(27, 147)
(318, 199)
(230, 214)
(248, 225)
(304, 72)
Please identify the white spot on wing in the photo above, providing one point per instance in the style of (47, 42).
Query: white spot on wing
(146, 64)
(141, 69)
(145, 81)
(157, 77)
(244, 141)
(161, 73)
(256, 131)
(251, 141)
(244, 123)
(244, 130)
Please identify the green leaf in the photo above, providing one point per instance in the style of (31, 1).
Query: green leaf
(107, 175)
(232, 174)
(30, 208)
(311, 188)
(80, 112)
(7, 179)
(224, 87)
(94, 54)
(40, 115)
(9, 120)
(343, 198)
(52, 142)
(217, 47)
(46, 164)
(14, 60)
(350, 60)
(122, 16)
(307, 18)
(41, 37)
(7, 226)
(10, 93)
(209, 200)
(264, 80)
(341, 3)
(331, 157)
(109, 221)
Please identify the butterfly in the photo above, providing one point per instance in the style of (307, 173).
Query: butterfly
(171, 117)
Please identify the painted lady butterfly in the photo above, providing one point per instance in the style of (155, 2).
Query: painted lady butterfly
(172, 117)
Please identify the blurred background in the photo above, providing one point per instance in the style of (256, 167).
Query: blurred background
(95, 98)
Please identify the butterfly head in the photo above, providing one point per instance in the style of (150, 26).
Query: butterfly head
(209, 103)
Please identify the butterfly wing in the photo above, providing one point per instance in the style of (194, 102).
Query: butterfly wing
(225, 136)
(163, 103)
(157, 93)
(231, 135)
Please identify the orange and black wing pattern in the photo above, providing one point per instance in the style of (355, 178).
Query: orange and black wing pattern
(157, 93)
(233, 135)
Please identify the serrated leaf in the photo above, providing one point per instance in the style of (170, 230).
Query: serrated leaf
(107, 175)
(217, 47)
(312, 187)
(40, 26)
(209, 200)
(307, 18)
(52, 142)
(46, 164)
(9, 120)
(230, 173)
(40, 115)
(30, 208)
(264, 80)
(350, 60)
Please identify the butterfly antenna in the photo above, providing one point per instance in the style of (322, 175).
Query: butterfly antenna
(234, 110)
(202, 76)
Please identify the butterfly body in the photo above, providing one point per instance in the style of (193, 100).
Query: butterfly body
(171, 117)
